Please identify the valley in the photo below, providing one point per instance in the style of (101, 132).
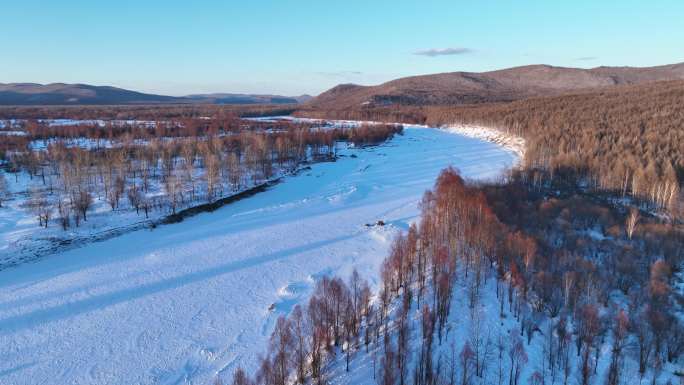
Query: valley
(342, 193)
(183, 302)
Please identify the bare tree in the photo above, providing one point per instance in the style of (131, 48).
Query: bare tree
(41, 207)
(4, 188)
(64, 211)
(281, 347)
(517, 357)
(388, 369)
(467, 358)
(83, 200)
(620, 331)
(135, 197)
(173, 189)
(300, 328)
(234, 171)
(146, 205)
(403, 337)
(116, 192)
(188, 151)
(588, 327)
(211, 175)
(500, 349)
(424, 366)
(631, 223)
(240, 378)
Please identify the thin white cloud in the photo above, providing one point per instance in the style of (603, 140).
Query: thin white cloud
(340, 74)
(432, 52)
(586, 58)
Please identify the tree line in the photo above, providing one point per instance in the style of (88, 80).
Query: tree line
(142, 112)
(167, 173)
(33, 130)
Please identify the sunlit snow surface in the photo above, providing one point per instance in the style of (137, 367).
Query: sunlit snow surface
(183, 302)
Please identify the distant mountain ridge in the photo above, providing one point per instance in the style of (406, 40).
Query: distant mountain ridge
(452, 88)
(224, 98)
(510, 84)
(85, 94)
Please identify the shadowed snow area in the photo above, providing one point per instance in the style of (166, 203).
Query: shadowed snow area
(183, 302)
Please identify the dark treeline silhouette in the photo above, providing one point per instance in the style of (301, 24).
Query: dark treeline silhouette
(141, 112)
(551, 272)
(628, 140)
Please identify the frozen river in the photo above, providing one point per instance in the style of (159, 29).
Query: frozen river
(184, 302)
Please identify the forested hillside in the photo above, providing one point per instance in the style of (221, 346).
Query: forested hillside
(497, 284)
(587, 282)
(458, 88)
(628, 139)
(33, 94)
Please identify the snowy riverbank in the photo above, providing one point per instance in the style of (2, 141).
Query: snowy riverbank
(500, 137)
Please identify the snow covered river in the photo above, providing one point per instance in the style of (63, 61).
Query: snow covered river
(183, 302)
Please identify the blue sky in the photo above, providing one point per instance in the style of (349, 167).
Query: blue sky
(294, 47)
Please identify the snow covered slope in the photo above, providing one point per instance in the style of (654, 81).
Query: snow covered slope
(183, 302)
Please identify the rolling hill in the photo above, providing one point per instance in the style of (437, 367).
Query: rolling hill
(221, 98)
(456, 88)
(84, 94)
